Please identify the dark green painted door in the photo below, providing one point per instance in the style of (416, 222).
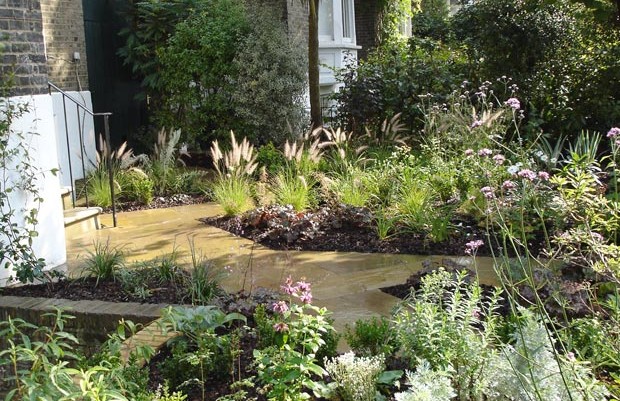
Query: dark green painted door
(112, 86)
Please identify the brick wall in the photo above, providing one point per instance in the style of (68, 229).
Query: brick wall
(366, 29)
(22, 46)
(63, 28)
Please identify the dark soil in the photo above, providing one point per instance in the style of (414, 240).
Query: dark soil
(159, 202)
(349, 229)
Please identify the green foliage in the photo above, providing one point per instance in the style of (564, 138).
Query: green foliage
(137, 186)
(287, 369)
(98, 188)
(557, 51)
(271, 158)
(294, 190)
(440, 323)
(427, 385)
(269, 82)
(203, 283)
(196, 60)
(20, 175)
(103, 262)
(532, 369)
(234, 194)
(37, 361)
(215, 65)
(371, 337)
(200, 352)
(392, 79)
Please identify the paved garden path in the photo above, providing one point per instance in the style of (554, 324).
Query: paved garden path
(347, 283)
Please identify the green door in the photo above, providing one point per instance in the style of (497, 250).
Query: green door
(112, 86)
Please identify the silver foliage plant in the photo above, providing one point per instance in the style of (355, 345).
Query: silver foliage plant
(427, 384)
(356, 376)
(531, 369)
(450, 331)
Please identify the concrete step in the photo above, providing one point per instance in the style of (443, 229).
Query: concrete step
(81, 220)
(67, 198)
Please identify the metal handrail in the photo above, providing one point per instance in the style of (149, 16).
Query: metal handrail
(106, 125)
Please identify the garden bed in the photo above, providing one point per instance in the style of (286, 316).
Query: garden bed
(349, 229)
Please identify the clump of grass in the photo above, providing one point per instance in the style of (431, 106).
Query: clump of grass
(103, 262)
(234, 194)
(290, 189)
(204, 279)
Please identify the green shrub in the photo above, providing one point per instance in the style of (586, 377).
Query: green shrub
(392, 79)
(271, 158)
(201, 51)
(137, 186)
(561, 56)
(268, 85)
(439, 323)
(371, 337)
(200, 351)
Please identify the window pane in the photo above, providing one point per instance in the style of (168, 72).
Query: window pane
(347, 16)
(326, 18)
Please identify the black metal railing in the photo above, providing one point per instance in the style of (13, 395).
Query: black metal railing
(107, 152)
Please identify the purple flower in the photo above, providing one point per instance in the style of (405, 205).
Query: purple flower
(469, 152)
(527, 174)
(513, 103)
(543, 175)
(472, 246)
(280, 307)
(484, 152)
(302, 286)
(487, 192)
(499, 159)
(614, 132)
(476, 124)
(306, 297)
(508, 185)
(280, 327)
(288, 288)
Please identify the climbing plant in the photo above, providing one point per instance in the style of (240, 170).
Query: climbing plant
(393, 14)
(18, 180)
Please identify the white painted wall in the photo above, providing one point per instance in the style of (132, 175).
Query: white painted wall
(39, 121)
(88, 137)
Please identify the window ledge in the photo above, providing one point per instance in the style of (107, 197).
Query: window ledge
(339, 45)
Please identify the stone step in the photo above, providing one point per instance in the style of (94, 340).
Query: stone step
(82, 219)
(67, 197)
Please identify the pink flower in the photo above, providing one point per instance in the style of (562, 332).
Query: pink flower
(487, 192)
(302, 286)
(469, 152)
(484, 152)
(306, 297)
(288, 288)
(473, 246)
(513, 103)
(508, 185)
(499, 159)
(527, 174)
(476, 124)
(280, 307)
(614, 132)
(543, 175)
(280, 327)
